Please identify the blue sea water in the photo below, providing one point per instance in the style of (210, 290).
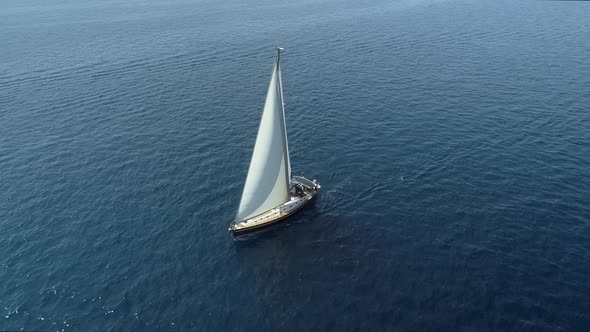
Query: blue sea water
(451, 139)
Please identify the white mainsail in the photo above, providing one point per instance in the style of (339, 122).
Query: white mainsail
(267, 183)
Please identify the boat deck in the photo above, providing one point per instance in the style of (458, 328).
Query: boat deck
(280, 212)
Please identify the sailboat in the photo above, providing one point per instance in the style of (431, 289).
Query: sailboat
(270, 193)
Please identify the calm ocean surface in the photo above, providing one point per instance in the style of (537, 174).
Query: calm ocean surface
(451, 139)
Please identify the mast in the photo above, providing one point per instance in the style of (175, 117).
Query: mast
(284, 127)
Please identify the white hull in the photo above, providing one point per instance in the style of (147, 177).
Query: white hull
(280, 212)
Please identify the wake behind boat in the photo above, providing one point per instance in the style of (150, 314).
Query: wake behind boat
(270, 193)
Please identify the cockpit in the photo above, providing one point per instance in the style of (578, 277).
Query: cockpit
(297, 190)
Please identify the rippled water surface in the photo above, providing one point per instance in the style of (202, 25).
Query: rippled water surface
(451, 138)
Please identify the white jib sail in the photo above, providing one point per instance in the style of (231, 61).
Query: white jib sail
(267, 183)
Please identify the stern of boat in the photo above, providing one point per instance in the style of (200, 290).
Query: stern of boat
(306, 183)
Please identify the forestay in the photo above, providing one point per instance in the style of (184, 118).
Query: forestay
(267, 183)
